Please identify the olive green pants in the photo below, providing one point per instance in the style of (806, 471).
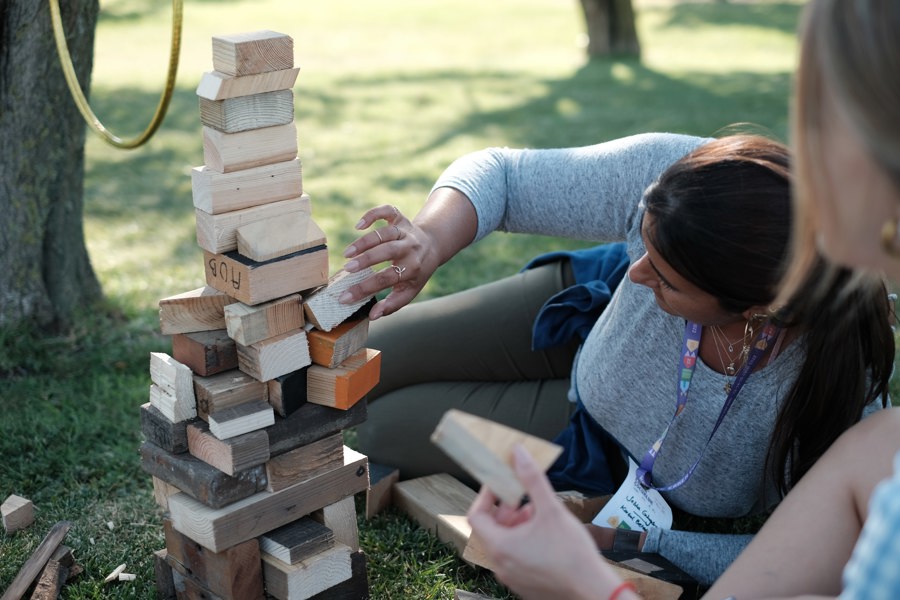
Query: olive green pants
(472, 351)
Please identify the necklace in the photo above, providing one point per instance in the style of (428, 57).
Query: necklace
(721, 334)
(721, 342)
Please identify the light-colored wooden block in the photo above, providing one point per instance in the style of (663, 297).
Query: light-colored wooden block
(201, 309)
(227, 152)
(229, 456)
(347, 383)
(219, 86)
(252, 52)
(380, 493)
(331, 348)
(17, 513)
(219, 233)
(243, 418)
(256, 282)
(205, 352)
(215, 193)
(438, 503)
(162, 491)
(218, 529)
(484, 449)
(274, 357)
(308, 577)
(174, 383)
(278, 236)
(340, 518)
(248, 325)
(234, 115)
(305, 462)
(322, 307)
(226, 389)
(173, 409)
(297, 541)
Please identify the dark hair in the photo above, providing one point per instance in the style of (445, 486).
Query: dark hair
(722, 220)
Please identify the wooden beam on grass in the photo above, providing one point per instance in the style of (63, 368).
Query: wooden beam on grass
(36, 562)
(439, 504)
(252, 52)
(248, 325)
(219, 233)
(381, 481)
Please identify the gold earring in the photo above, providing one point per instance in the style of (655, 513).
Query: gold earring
(889, 239)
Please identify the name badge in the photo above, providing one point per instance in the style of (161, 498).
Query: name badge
(635, 507)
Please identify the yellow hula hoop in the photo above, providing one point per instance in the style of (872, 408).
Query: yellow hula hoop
(81, 102)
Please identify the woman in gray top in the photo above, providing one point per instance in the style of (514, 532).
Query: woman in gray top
(706, 226)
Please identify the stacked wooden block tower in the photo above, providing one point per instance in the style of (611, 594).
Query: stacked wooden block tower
(243, 430)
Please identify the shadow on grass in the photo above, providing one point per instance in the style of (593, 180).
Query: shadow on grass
(783, 16)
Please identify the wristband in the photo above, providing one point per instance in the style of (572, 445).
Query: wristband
(625, 585)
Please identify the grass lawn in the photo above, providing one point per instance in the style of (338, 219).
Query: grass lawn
(389, 93)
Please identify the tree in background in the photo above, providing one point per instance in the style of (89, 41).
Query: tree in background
(46, 271)
(610, 28)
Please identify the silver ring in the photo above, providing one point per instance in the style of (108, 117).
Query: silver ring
(399, 233)
(398, 271)
(380, 239)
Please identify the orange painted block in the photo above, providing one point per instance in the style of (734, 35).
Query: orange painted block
(331, 348)
(346, 384)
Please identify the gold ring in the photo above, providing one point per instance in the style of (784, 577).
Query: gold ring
(398, 271)
(399, 233)
(380, 239)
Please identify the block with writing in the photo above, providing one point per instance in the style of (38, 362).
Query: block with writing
(234, 115)
(232, 455)
(201, 309)
(219, 233)
(346, 384)
(322, 307)
(226, 389)
(219, 86)
(278, 236)
(252, 52)
(251, 324)
(273, 357)
(205, 352)
(297, 541)
(216, 193)
(227, 152)
(305, 462)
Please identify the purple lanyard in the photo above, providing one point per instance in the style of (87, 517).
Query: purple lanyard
(690, 346)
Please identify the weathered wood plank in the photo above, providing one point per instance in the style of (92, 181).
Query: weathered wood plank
(201, 309)
(205, 352)
(322, 307)
(230, 456)
(308, 577)
(226, 389)
(36, 562)
(161, 431)
(305, 462)
(312, 422)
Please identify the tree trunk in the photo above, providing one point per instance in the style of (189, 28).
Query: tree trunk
(610, 28)
(47, 273)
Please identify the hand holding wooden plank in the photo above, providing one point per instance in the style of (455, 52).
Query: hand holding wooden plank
(484, 449)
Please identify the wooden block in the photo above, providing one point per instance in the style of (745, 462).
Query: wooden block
(200, 481)
(484, 449)
(219, 86)
(274, 357)
(218, 529)
(217, 193)
(279, 236)
(647, 587)
(305, 462)
(584, 507)
(252, 52)
(243, 418)
(50, 582)
(355, 588)
(331, 348)
(169, 406)
(381, 481)
(205, 352)
(322, 307)
(188, 588)
(175, 382)
(340, 518)
(227, 152)
(233, 574)
(224, 390)
(287, 393)
(347, 383)
(256, 282)
(229, 456)
(234, 115)
(161, 431)
(311, 422)
(250, 324)
(297, 540)
(17, 513)
(165, 583)
(64, 556)
(201, 309)
(656, 566)
(308, 577)
(162, 491)
(219, 233)
(36, 562)
(439, 504)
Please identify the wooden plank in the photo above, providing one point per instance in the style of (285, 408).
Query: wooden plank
(287, 393)
(50, 582)
(162, 571)
(347, 383)
(230, 456)
(188, 588)
(331, 348)
(219, 86)
(169, 406)
(243, 418)
(233, 574)
(308, 577)
(217, 193)
(201, 309)
(256, 282)
(275, 356)
(340, 518)
(162, 491)
(219, 233)
(322, 307)
(355, 588)
(17, 513)
(252, 52)
(311, 422)
(226, 389)
(161, 431)
(297, 540)
(279, 236)
(439, 504)
(36, 562)
(205, 352)
(218, 529)
(251, 324)
(484, 449)
(227, 152)
(175, 382)
(234, 115)
(656, 566)
(204, 483)
(305, 462)
(381, 481)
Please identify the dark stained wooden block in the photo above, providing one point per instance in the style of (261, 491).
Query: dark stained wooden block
(160, 431)
(287, 393)
(205, 352)
(310, 423)
(355, 588)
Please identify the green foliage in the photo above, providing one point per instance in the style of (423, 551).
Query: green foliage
(389, 94)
